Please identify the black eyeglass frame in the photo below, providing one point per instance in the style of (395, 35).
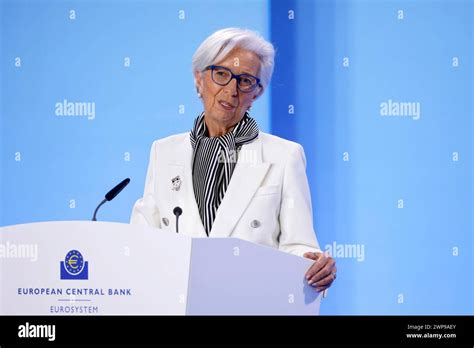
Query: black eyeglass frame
(233, 76)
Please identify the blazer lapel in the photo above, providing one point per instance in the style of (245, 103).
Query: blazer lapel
(190, 220)
(248, 174)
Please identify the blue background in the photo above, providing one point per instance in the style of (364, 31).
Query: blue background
(417, 259)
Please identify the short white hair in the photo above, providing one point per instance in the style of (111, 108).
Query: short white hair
(219, 44)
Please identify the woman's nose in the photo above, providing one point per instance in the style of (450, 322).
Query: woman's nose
(232, 87)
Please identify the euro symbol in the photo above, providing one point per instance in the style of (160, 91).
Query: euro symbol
(73, 262)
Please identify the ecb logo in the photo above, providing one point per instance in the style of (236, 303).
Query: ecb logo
(74, 266)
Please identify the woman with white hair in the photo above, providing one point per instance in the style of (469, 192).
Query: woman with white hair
(226, 178)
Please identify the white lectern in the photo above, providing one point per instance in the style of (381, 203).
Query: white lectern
(84, 267)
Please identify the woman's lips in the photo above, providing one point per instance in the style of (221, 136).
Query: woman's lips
(226, 106)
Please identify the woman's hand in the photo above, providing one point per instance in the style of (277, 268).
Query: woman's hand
(322, 272)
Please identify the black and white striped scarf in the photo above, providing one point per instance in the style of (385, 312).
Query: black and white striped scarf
(214, 160)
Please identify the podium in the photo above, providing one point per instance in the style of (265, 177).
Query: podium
(103, 268)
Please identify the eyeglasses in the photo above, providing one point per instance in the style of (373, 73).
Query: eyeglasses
(222, 76)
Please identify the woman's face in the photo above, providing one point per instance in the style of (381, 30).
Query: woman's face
(239, 61)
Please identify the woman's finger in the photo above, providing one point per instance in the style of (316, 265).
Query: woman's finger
(323, 272)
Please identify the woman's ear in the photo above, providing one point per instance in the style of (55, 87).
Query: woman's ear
(198, 81)
(258, 93)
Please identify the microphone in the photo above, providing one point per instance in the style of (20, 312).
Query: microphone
(111, 195)
(177, 211)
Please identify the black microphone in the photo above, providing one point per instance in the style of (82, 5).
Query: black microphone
(177, 211)
(111, 195)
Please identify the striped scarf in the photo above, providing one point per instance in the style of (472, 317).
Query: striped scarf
(214, 160)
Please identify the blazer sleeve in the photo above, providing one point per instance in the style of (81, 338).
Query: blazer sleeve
(297, 235)
(145, 211)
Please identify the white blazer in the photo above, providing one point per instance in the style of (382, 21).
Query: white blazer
(267, 202)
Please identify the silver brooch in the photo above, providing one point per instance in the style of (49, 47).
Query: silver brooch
(176, 183)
